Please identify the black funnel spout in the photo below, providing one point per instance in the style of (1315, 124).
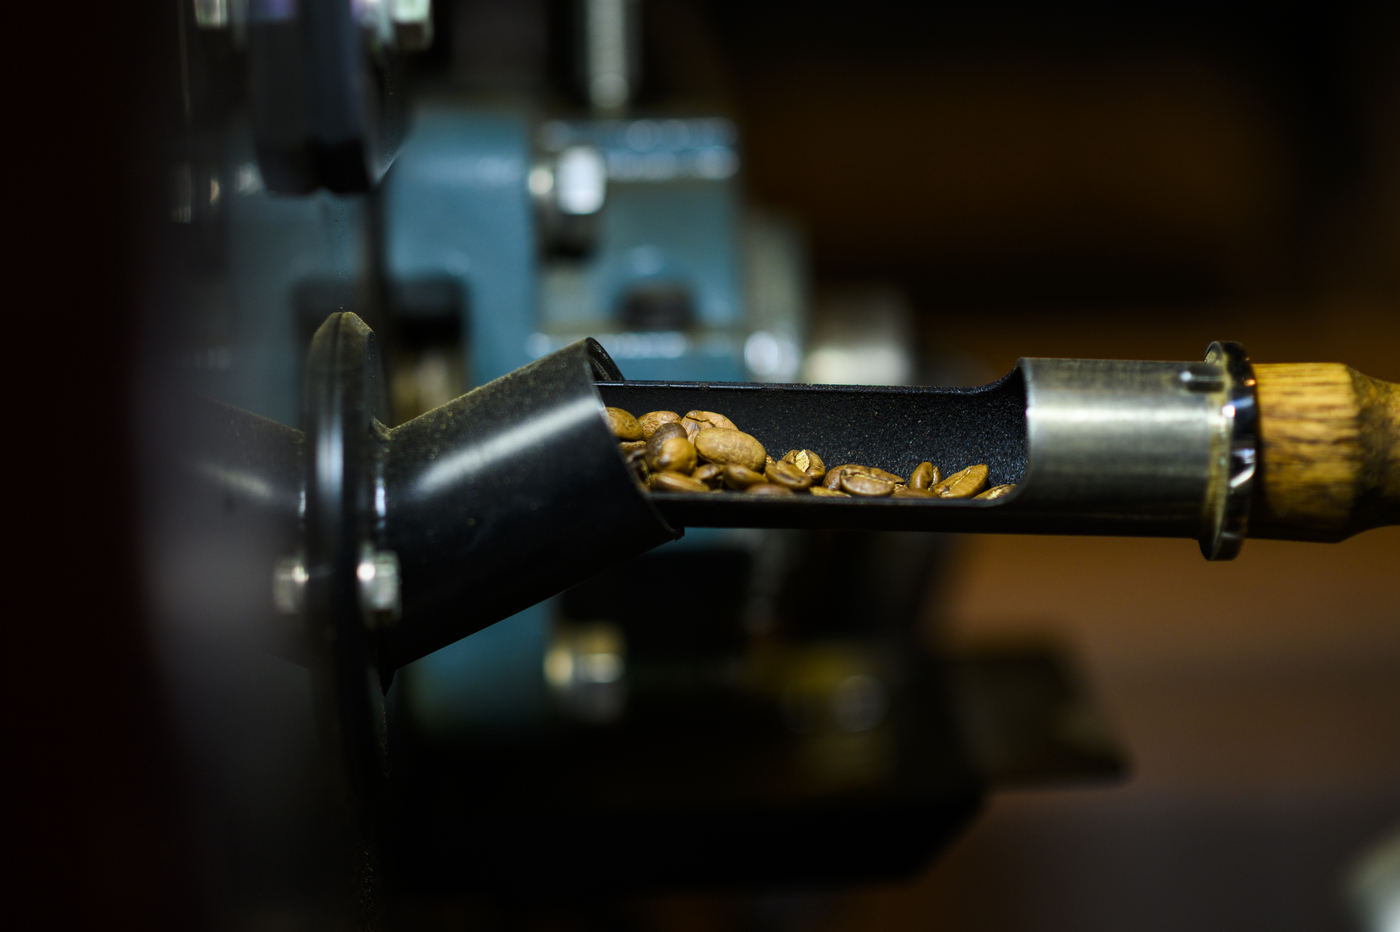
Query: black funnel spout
(506, 496)
(517, 490)
(489, 504)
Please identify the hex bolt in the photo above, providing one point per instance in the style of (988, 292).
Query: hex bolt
(289, 585)
(378, 574)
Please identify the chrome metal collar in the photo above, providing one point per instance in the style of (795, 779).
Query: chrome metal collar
(1236, 453)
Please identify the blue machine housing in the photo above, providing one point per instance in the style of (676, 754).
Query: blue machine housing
(458, 214)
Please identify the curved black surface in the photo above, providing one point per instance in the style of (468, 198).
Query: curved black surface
(506, 496)
(342, 398)
(891, 427)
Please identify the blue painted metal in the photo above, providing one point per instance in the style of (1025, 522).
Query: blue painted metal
(277, 245)
(673, 218)
(456, 205)
(493, 679)
(679, 233)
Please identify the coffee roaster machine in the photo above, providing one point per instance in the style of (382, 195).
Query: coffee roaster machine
(422, 658)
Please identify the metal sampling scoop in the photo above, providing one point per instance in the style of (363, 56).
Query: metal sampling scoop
(518, 489)
(1211, 450)
(1094, 447)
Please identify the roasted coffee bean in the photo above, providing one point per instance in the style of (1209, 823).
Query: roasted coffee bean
(866, 486)
(696, 421)
(672, 431)
(741, 477)
(676, 454)
(651, 420)
(997, 491)
(637, 459)
(667, 431)
(704, 451)
(725, 445)
(807, 461)
(832, 479)
(623, 425)
(676, 482)
(709, 473)
(827, 493)
(963, 484)
(906, 492)
(834, 476)
(924, 476)
(654, 419)
(788, 476)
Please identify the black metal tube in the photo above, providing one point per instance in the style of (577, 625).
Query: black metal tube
(506, 496)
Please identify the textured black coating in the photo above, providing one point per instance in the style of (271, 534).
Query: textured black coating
(506, 496)
(890, 427)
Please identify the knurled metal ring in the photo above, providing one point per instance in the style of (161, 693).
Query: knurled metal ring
(1224, 533)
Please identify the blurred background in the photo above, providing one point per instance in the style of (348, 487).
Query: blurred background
(942, 190)
(1124, 182)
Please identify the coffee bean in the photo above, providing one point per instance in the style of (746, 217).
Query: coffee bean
(676, 482)
(709, 473)
(676, 454)
(924, 476)
(741, 477)
(623, 425)
(658, 439)
(997, 491)
(726, 445)
(654, 419)
(963, 484)
(788, 476)
(637, 459)
(905, 492)
(705, 451)
(808, 462)
(696, 421)
(866, 486)
(833, 476)
(666, 431)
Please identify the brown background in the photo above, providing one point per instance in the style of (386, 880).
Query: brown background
(1066, 180)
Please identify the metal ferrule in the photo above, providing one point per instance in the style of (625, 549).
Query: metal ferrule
(1142, 448)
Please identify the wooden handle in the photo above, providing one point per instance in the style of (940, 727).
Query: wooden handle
(1329, 456)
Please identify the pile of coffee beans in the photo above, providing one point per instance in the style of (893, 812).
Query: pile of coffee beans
(702, 451)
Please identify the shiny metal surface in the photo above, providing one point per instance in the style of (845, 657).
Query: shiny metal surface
(1142, 448)
(1120, 440)
(1236, 456)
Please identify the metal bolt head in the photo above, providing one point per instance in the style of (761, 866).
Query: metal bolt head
(289, 585)
(378, 575)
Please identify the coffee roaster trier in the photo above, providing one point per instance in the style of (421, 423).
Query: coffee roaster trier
(397, 542)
